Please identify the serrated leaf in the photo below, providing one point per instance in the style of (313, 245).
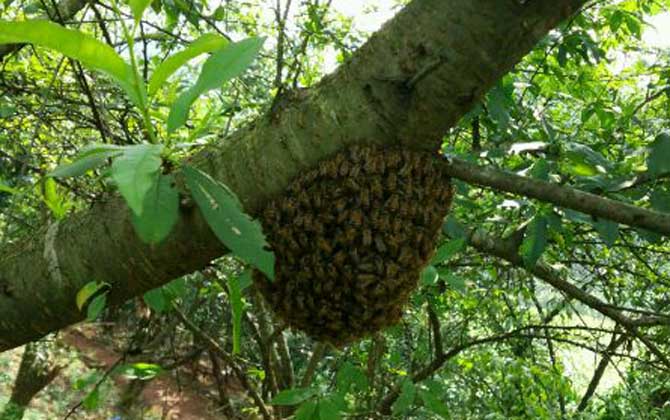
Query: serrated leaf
(306, 411)
(155, 299)
(160, 211)
(222, 66)
(96, 306)
(135, 172)
(448, 250)
(89, 51)
(293, 396)
(405, 399)
(237, 308)
(658, 161)
(224, 214)
(206, 43)
(534, 241)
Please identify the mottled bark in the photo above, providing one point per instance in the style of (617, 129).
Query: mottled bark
(39, 366)
(406, 86)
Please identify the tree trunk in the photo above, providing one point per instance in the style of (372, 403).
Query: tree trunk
(406, 86)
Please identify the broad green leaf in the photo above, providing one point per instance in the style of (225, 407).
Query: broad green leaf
(74, 44)
(429, 276)
(328, 410)
(160, 211)
(448, 250)
(405, 399)
(135, 172)
(497, 106)
(96, 306)
(237, 307)
(140, 371)
(658, 161)
(293, 396)
(204, 44)
(92, 400)
(433, 404)
(581, 160)
(454, 281)
(4, 188)
(453, 228)
(534, 241)
(350, 375)
(86, 292)
(224, 214)
(660, 200)
(608, 230)
(306, 411)
(155, 299)
(138, 7)
(90, 157)
(56, 202)
(222, 66)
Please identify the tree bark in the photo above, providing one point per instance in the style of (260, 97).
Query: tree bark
(406, 86)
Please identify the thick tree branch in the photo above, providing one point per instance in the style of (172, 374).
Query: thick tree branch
(368, 100)
(560, 195)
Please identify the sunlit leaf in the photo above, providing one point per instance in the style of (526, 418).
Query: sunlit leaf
(96, 307)
(138, 7)
(160, 211)
(206, 43)
(135, 172)
(86, 292)
(293, 396)
(222, 66)
(224, 214)
(74, 44)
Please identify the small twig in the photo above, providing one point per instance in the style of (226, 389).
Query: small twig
(317, 355)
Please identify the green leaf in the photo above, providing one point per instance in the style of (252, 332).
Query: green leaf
(534, 241)
(658, 161)
(141, 371)
(92, 400)
(293, 396)
(224, 214)
(86, 292)
(433, 404)
(497, 107)
(96, 306)
(660, 200)
(155, 299)
(454, 281)
(328, 410)
(74, 44)
(135, 172)
(4, 188)
(608, 230)
(56, 202)
(581, 160)
(429, 276)
(405, 399)
(448, 250)
(89, 157)
(160, 211)
(222, 66)
(350, 375)
(204, 44)
(306, 411)
(138, 7)
(237, 308)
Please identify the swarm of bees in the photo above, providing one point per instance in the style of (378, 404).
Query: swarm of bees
(351, 238)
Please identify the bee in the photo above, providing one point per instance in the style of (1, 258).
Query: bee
(393, 203)
(356, 217)
(319, 272)
(339, 258)
(303, 199)
(323, 245)
(331, 271)
(366, 237)
(376, 189)
(406, 256)
(340, 205)
(391, 181)
(344, 167)
(364, 197)
(379, 244)
(350, 234)
(352, 185)
(392, 269)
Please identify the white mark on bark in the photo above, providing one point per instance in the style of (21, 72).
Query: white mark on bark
(50, 253)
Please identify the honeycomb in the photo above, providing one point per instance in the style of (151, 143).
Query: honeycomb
(351, 238)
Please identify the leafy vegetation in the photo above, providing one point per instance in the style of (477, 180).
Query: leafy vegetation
(526, 309)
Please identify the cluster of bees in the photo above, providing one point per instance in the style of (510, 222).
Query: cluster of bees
(351, 238)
